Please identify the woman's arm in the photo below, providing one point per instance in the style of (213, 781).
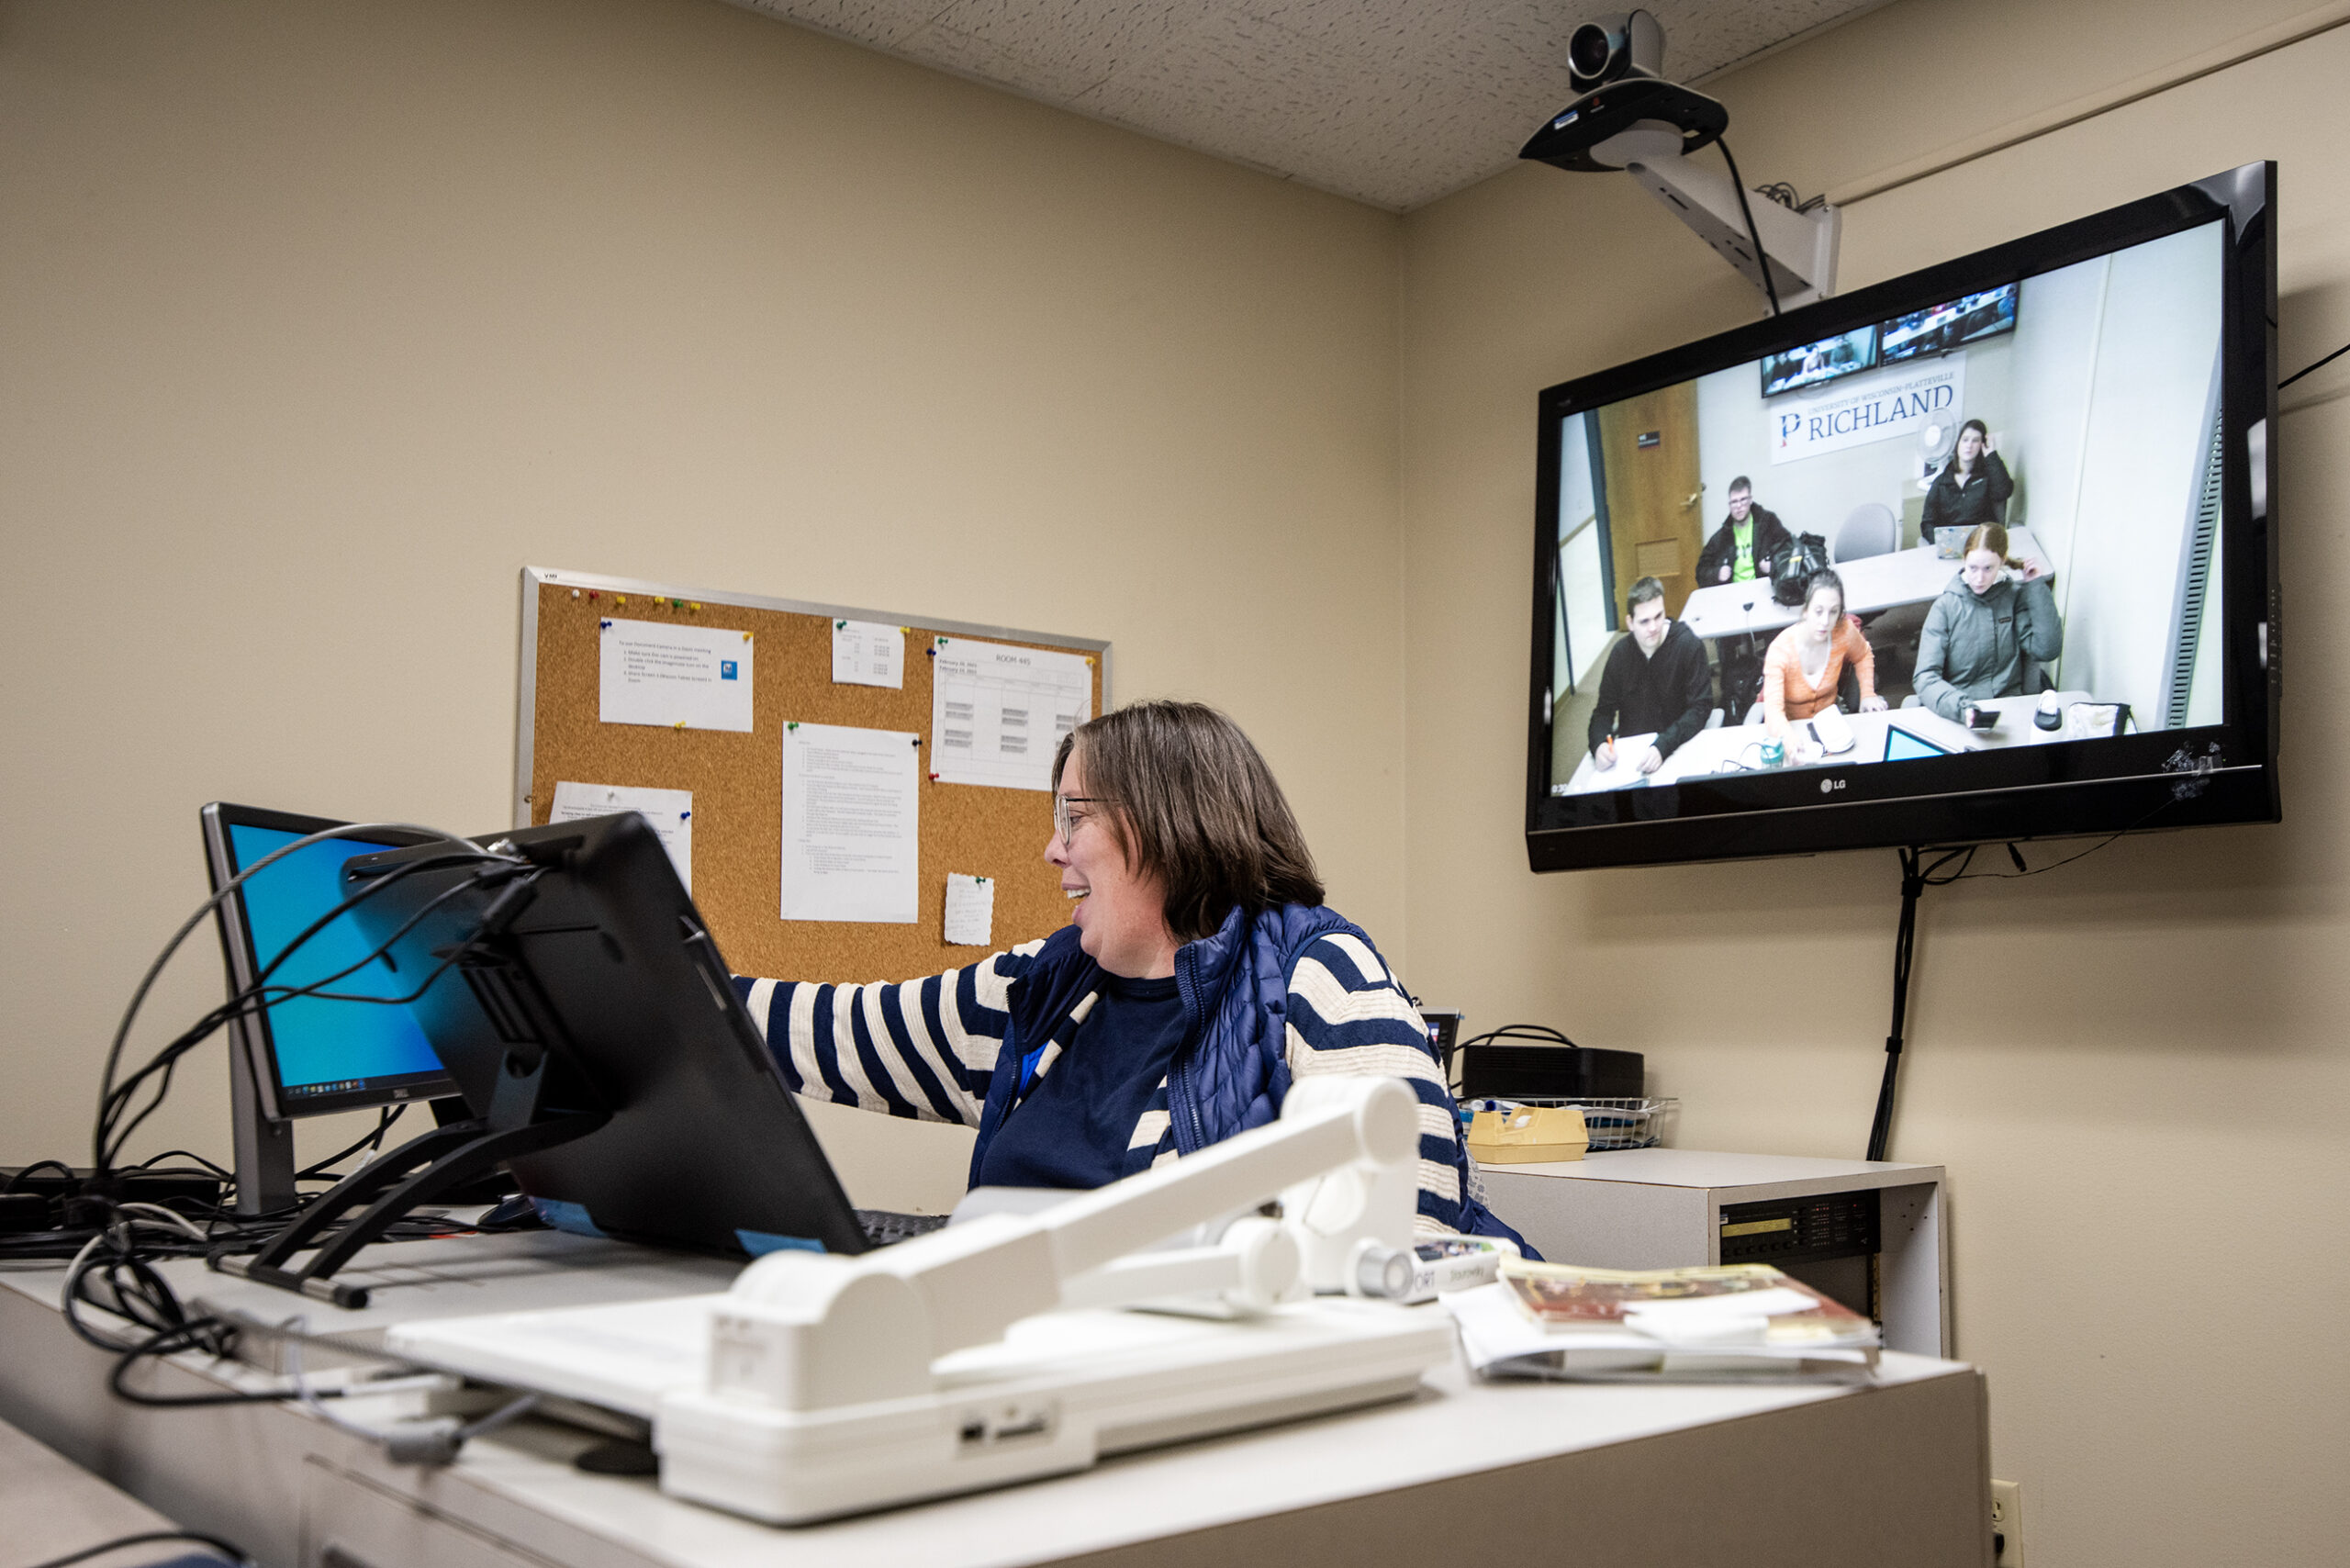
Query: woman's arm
(1862, 658)
(1775, 686)
(1998, 483)
(1347, 1015)
(1931, 680)
(1936, 514)
(923, 1050)
(2041, 627)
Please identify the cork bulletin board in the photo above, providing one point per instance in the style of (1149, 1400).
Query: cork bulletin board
(737, 779)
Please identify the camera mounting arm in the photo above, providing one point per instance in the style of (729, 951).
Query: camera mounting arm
(1629, 118)
(1799, 247)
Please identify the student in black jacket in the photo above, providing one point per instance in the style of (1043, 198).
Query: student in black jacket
(1740, 548)
(1655, 683)
(1971, 490)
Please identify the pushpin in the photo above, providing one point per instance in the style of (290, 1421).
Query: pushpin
(681, 723)
(575, 593)
(840, 625)
(620, 598)
(591, 592)
(791, 723)
(694, 605)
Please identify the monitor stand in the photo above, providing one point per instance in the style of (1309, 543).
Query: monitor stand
(522, 1120)
(264, 1146)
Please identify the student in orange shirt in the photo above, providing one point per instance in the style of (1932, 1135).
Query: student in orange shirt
(1807, 661)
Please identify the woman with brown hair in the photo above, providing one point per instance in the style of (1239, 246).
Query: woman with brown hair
(1812, 662)
(1973, 487)
(1989, 632)
(1198, 978)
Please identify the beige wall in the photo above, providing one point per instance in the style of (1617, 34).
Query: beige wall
(323, 320)
(2134, 1067)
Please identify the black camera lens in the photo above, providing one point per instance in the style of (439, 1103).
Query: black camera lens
(1589, 50)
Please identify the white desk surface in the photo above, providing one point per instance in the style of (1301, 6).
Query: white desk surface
(239, 1466)
(1706, 1169)
(1709, 751)
(1871, 582)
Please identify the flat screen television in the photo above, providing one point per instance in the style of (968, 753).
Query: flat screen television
(1808, 365)
(1954, 323)
(2096, 397)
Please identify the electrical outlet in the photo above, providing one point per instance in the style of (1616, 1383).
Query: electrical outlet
(2007, 1523)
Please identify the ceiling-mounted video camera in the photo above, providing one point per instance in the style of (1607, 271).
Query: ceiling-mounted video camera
(1629, 44)
(1627, 116)
(1616, 67)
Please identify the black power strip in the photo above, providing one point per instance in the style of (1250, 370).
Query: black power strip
(41, 1198)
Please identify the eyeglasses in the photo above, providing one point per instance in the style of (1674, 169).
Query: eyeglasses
(1064, 823)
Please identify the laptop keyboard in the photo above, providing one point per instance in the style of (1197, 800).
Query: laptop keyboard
(881, 1227)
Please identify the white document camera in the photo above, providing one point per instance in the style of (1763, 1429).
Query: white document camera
(994, 1350)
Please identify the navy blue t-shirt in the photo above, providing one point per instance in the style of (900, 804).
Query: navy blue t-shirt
(1072, 1129)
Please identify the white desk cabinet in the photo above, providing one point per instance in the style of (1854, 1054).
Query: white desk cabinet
(1662, 1208)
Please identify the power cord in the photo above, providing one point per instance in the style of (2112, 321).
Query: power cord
(1762, 257)
(2306, 368)
(436, 1439)
(233, 1553)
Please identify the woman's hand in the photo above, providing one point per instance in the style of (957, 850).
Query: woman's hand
(1872, 704)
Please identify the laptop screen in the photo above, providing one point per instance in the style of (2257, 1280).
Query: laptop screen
(328, 1055)
(1900, 746)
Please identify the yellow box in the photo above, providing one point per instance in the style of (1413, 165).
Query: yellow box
(1528, 1135)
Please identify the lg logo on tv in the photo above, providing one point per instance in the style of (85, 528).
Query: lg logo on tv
(1829, 786)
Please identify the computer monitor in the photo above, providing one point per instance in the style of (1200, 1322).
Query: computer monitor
(304, 1055)
(587, 987)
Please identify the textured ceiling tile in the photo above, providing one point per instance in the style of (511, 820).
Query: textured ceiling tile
(1391, 102)
(881, 23)
(1085, 39)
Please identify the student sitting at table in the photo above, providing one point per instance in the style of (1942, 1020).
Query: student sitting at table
(1811, 660)
(1655, 683)
(1989, 632)
(1741, 548)
(1973, 487)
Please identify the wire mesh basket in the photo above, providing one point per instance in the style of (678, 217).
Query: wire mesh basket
(1637, 1123)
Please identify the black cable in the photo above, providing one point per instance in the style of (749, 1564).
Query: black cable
(1761, 257)
(233, 1553)
(57, 1165)
(1916, 877)
(372, 1141)
(147, 1164)
(111, 1136)
(2306, 368)
(191, 1337)
(147, 981)
(116, 1097)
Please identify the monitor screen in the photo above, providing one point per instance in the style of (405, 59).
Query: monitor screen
(1921, 534)
(1808, 365)
(1952, 324)
(319, 1054)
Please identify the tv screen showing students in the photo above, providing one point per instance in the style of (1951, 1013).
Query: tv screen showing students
(2011, 514)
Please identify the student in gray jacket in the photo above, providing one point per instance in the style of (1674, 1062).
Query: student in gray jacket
(1985, 627)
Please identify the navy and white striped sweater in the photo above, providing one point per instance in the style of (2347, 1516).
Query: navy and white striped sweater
(927, 1049)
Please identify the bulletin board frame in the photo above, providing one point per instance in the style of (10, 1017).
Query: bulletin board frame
(965, 828)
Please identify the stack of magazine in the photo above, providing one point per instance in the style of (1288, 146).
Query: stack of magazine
(1729, 1324)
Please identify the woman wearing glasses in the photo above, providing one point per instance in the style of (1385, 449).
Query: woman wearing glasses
(1198, 978)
